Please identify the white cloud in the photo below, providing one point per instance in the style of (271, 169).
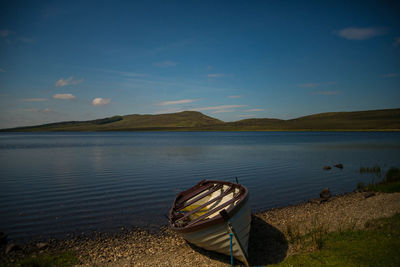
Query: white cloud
(254, 110)
(34, 99)
(98, 101)
(165, 64)
(235, 96)
(222, 107)
(354, 33)
(216, 75)
(326, 92)
(4, 33)
(309, 85)
(64, 96)
(177, 102)
(391, 75)
(69, 81)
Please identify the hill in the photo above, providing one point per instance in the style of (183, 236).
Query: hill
(173, 121)
(386, 119)
(372, 120)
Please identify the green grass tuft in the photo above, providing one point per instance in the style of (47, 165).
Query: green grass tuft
(47, 260)
(389, 184)
(376, 169)
(378, 245)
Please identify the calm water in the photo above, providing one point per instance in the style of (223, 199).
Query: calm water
(57, 183)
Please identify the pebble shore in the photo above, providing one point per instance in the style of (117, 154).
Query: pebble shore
(268, 238)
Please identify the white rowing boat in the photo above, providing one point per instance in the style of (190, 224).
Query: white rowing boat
(196, 215)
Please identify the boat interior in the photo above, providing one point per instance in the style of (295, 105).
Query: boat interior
(204, 202)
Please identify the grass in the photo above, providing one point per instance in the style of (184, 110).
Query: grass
(389, 184)
(372, 120)
(377, 170)
(62, 259)
(377, 245)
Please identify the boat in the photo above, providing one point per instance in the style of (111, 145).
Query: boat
(210, 213)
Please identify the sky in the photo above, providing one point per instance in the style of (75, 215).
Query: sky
(232, 60)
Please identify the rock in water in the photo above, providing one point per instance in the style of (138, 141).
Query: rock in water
(325, 194)
(327, 167)
(340, 166)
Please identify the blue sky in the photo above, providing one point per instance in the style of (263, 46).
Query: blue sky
(81, 60)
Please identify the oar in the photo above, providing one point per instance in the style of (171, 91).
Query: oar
(232, 231)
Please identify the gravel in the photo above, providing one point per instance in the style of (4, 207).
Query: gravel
(268, 238)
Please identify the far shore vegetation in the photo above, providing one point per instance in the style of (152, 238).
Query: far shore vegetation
(372, 120)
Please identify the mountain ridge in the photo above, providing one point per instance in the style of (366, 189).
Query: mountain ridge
(384, 119)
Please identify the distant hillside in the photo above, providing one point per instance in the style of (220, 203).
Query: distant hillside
(381, 120)
(386, 119)
(174, 121)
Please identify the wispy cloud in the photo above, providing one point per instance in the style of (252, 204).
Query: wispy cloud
(170, 46)
(170, 110)
(123, 73)
(396, 41)
(45, 110)
(309, 85)
(326, 93)
(177, 102)
(254, 110)
(209, 67)
(65, 82)
(26, 40)
(164, 64)
(222, 107)
(98, 101)
(355, 33)
(223, 111)
(2, 70)
(216, 75)
(390, 75)
(64, 96)
(245, 115)
(4, 33)
(235, 96)
(34, 99)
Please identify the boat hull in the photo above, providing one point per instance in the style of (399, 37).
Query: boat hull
(207, 213)
(216, 237)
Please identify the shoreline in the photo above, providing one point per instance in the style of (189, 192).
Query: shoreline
(270, 231)
(201, 130)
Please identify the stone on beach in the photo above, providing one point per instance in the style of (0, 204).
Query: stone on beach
(325, 194)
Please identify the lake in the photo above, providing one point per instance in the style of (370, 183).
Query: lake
(57, 183)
